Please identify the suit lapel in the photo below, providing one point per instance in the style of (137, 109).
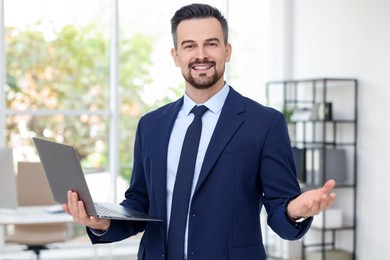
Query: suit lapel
(161, 134)
(229, 121)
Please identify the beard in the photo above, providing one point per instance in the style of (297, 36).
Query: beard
(203, 81)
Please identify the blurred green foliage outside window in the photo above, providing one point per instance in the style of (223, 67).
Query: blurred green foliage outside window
(70, 72)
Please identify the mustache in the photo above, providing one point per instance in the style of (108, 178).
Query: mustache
(197, 62)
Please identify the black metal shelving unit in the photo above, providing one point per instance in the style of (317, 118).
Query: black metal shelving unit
(321, 114)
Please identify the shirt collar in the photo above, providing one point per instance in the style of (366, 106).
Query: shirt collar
(214, 104)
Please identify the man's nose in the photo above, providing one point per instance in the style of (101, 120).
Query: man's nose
(201, 53)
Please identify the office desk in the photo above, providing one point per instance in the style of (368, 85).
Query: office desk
(29, 215)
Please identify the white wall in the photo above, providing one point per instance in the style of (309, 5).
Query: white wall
(351, 38)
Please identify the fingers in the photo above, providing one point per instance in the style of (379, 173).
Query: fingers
(325, 201)
(81, 210)
(65, 208)
(313, 202)
(327, 197)
(76, 209)
(328, 186)
(72, 204)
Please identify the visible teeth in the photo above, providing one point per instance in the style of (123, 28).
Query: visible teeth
(201, 67)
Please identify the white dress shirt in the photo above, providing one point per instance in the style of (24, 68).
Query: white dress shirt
(183, 120)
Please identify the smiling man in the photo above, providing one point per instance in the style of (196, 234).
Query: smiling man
(207, 163)
(201, 52)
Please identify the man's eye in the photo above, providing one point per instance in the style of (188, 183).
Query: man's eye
(188, 46)
(212, 44)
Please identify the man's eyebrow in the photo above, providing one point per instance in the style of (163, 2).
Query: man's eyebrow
(212, 39)
(187, 41)
(207, 40)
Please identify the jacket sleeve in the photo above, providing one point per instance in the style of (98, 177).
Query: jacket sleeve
(279, 182)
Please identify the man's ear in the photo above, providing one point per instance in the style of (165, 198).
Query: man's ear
(228, 52)
(175, 57)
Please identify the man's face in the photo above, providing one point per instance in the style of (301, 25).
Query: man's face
(201, 52)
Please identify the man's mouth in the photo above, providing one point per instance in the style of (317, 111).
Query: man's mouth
(202, 66)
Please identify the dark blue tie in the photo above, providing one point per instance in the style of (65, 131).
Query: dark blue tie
(182, 188)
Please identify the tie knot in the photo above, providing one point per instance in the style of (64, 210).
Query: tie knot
(199, 110)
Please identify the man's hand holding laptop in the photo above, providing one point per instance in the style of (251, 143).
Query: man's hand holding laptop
(76, 209)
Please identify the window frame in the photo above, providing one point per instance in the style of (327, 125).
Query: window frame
(113, 106)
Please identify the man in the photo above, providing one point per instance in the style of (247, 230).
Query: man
(244, 161)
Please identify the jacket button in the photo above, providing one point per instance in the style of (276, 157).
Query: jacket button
(163, 256)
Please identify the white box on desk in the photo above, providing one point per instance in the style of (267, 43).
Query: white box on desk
(333, 219)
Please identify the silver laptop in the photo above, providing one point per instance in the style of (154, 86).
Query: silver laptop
(64, 172)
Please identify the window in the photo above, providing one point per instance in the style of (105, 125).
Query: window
(57, 68)
(83, 72)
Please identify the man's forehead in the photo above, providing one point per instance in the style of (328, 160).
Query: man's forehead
(194, 29)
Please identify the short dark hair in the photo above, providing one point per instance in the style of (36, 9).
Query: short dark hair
(196, 11)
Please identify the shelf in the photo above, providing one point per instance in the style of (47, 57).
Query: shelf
(321, 115)
(318, 145)
(333, 121)
(311, 80)
(333, 229)
(306, 187)
(319, 244)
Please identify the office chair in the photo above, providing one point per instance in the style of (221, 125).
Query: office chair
(33, 190)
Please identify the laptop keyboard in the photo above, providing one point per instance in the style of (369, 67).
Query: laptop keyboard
(103, 211)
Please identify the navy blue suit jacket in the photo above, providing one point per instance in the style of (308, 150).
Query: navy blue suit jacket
(248, 164)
